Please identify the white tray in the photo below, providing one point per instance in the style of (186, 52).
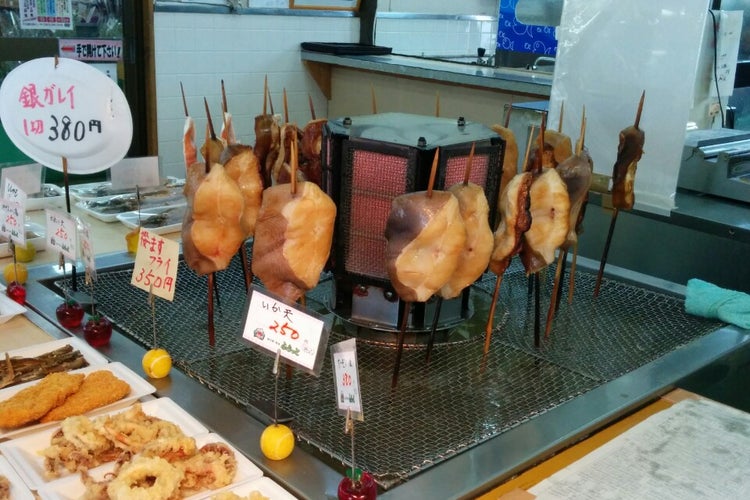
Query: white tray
(264, 485)
(9, 308)
(23, 452)
(34, 234)
(98, 209)
(173, 223)
(92, 190)
(18, 490)
(71, 487)
(39, 203)
(139, 387)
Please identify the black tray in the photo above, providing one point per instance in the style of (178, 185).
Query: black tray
(346, 49)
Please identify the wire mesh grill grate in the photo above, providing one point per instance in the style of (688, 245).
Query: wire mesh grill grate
(439, 409)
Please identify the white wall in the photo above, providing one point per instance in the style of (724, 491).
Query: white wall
(200, 50)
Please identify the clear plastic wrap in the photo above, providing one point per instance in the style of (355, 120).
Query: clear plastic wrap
(609, 52)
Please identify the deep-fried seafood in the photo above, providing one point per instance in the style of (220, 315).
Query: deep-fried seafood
(4, 488)
(145, 478)
(83, 443)
(33, 402)
(212, 467)
(99, 388)
(230, 495)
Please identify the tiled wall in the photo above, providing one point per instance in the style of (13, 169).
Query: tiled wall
(441, 37)
(201, 49)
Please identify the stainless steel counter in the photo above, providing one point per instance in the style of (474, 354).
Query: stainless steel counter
(508, 80)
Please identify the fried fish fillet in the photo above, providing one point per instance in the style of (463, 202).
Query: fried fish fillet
(34, 402)
(99, 388)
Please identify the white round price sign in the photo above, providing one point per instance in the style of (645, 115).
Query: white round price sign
(52, 109)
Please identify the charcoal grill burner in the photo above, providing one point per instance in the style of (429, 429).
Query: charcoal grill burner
(438, 410)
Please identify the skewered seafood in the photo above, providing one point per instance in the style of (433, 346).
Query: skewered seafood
(475, 255)
(629, 152)
(242, 165)
(425, 236)
(510, 156)
(549, 207)
(211, 231)
(310, 148)
(293, 238)
(516, 220)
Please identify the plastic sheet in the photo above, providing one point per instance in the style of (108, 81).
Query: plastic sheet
(609, 52)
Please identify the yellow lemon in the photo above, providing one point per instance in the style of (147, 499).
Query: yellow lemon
(131, 240)
(157, 363)
(277, 442)
(25, 253)
(15, 272)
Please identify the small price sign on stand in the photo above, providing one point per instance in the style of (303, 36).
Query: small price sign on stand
(346, 378)
(62, 233)
(87, 248)
(155, 269)
(276, 327)
(13, 212)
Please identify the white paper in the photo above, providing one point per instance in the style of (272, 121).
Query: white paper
(346, 378)
(609, 52)
(27, 177)
(61, 233)
(727, 48)
(132, 172)
(695, 449)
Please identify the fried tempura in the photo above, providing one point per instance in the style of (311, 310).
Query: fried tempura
(34, 402)
(99, 388)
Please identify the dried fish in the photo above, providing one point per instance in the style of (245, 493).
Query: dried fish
(17, 369)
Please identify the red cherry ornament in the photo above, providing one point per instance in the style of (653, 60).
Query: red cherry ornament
(17, 292)
(97, 331)
(69, 314)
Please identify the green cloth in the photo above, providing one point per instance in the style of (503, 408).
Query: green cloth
(711, 301)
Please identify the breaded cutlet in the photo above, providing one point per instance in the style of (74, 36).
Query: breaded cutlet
(99, 388)
(32, 403)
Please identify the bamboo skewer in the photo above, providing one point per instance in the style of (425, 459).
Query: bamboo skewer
(563, 252)
(615, 212)
(437, 104)
(439, 302)
(312, 107)
(374, 101)
(265, 93)
(499, 278)
(407, 305)
(211, 276)
(286, 107)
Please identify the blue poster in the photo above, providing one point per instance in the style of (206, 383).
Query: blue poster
(515, 36)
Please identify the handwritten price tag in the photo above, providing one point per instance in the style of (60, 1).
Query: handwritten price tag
(13, 212)
(156, 264)
(272, 325)
(52, 109)
(346, 378)
(61, 233)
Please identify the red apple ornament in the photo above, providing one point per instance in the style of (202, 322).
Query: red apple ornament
(17, 292)
(360, 487)
(69, 314)
(97, 331)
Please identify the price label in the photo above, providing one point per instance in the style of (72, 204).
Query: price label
(156, 264)
(13, 212)
(273, 326)
(26, 177)
(346, 378)
(87, 248)
(61, 233)
(54, 108)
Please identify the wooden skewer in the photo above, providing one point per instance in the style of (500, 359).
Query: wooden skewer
(211, 131)
(469, 162)
(224, 107)
(400, 350)
(184, 102)
(265, 93)
(312, 107)
(294, 160)
(439, 302)
(270, 102)
(437, 104)
(507, 115)
(286, 107)
(374, 102)
(433, 172)
(562, 112)
(615, 212)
